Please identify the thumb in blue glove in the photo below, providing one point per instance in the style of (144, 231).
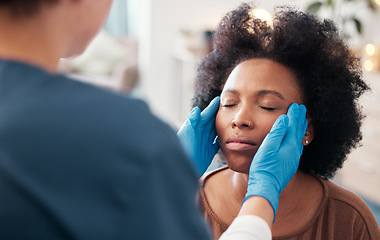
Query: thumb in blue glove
(198, 136)
(277, 159)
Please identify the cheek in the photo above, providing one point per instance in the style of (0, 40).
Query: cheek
(221, 122)
(266, 124)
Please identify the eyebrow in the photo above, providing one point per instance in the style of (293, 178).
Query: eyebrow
(265, 92)
(260, 93)
(232, 91)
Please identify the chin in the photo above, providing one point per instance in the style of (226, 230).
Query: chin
(240, 167)
(239, 162)
(76, 49)
(74, 53)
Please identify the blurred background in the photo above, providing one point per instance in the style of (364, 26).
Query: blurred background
(151, 49)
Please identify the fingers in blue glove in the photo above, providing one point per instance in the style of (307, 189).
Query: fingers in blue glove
(198, 135)
(208, 114)
(301, 121)
(206, 117)
(276, 134)
(277, 158)
(194, 117)
(297, 124)
(293, 114)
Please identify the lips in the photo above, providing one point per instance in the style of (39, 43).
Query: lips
(237, 143)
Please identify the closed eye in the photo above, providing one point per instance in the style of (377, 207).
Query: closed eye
(228, 105)
(268, 108)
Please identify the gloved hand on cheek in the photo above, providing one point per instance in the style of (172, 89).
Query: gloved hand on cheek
(277, 159)
(198, 136)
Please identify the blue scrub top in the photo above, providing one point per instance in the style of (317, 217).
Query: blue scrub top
(79, 162)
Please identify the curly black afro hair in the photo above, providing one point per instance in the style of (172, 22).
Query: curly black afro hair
(328, 73)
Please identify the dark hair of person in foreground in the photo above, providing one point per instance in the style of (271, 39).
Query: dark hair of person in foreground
(22, 8)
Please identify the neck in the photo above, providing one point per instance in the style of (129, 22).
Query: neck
(30, 39)
(289, 196)
(292, 196)
(297, 204)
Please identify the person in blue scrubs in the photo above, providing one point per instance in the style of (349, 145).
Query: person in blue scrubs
(79, 162)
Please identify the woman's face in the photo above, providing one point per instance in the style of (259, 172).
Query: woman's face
(256, 93)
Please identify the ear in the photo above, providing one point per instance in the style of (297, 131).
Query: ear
(309, 135)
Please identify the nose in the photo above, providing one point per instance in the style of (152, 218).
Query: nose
(242, 119)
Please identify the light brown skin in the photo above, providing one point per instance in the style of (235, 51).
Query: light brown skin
(256, 93)
(56, 31)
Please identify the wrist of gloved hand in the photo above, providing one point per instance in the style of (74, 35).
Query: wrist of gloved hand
(264, 186)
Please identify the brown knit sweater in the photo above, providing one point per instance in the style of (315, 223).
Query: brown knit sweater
(341, 215)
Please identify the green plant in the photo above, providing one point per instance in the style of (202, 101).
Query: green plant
(337, 11)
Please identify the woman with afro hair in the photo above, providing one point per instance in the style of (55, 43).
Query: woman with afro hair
(259, 68)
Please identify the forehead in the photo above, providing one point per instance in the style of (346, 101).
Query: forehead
(263, 74)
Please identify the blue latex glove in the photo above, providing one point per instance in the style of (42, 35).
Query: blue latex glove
(277, 159)
(198, 136)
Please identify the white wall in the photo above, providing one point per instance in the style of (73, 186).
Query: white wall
(159, 24)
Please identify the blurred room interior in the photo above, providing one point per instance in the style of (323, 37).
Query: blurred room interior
(151, 49)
